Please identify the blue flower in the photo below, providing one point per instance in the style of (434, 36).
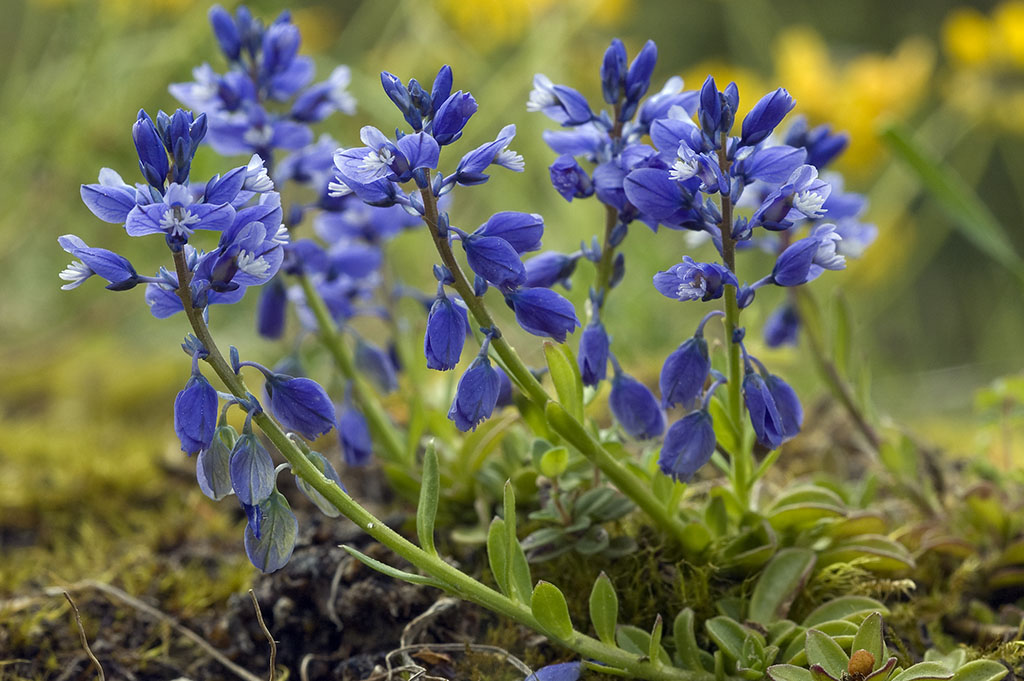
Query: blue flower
(114, 268)
(153, 160)
(226, 31)
(765, 116)
(177, 216)
(521, 230)
(635, 407)
(252, 469)
(561, 104)
(270, 315)
(548, 269)
(821, 143)
(593, 354)
(300, 404)
(111, 200)
(476, 395)
(354, 433)
(195, 413)
(452, 116)
(691, 280)
(494, 259)
(447, 326)
(787, 404)
(684, 373)
(613, 71)
(569, 179)
(543, 312)
(689, 444)
(375, 364)
(471, 166)
(181, 134)
(638, 79)
(383, 159)
(566, 671)
(803, 194)
(782, 326)
(764, 414)
(805, 259)
(322, 99)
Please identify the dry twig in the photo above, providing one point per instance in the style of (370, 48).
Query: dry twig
(85, 640)
(266, 632)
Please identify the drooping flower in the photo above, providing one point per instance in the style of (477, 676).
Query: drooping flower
(354, 433)
(543, 312)
(569, 178)
(195, 413)
(684, 373)
(805, 259)
(764, 414)
(593, 353)
(476, 395)
(300, 404)
(252, 469)
(635, 407)
(689, 444)
(447, 326)
(550, 268)
(213, 465)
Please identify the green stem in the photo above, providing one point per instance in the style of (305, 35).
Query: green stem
(743, 463)
(463, 585)
(380, 424)
(565, 425)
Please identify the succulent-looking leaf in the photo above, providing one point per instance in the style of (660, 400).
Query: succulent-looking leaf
(823, 651)
(788, 672)
(429, 491)
(549, 607)
(843, 607)
(980, 670)
(728, 635)
(554, 462)
(654, 649)
(497, 554)
(687, 650)
(924, 670)
(604, 609)
(779, 584)
(869, 638)
(637, 641)
(565, 374)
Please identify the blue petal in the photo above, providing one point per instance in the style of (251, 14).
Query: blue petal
(252, 470)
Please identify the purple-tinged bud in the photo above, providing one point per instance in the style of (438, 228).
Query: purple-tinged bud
(226, 31)
(613, 71)
(709, 111)
(452, 116)
(354, 433)
(638, 79)
(548, 269)
(805, 259)
(764, 414)
(691, 280)
(441, 88)
(635, 408)
(301, 405)
(689, 444)
(397, 92)
(593, 353)
(522, 230)
(447, 326)
(152, 155)
(787, 404)
(213, 465)
(270, 315)
(252, 470)
(476, 395)
(195, 414)
(270, 550)
(569, 178)
(765, 116)
(494, 259)
(543, 312)
(684, 373)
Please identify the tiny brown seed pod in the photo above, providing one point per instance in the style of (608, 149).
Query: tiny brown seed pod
(861, 663)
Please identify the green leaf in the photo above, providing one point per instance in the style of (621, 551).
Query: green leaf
(549, 607)
(925, 670)
(779, 584)
(969, 213)
(696, 538)
(788, 672)
(604, 609)
(841, 331)
(726, 432)
(554, 462)
(715, 517)
(843, 608)
(822, 650)
(654, 650)
(426, 512)
(565, 375)
(687, 650)
(728, 635)
(869, 638)
(395, 573)
(874, 552)
(980, 670)
(637, 641)
(497, 554)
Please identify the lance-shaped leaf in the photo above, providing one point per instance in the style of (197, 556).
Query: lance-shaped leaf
(604, 609)
(392, 572)
(826, 653)
(869, 638)
(429, 491)
(687, 650)
(980, 670)
(565, 374)
(779, 584)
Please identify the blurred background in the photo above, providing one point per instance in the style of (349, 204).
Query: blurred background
(87, 377)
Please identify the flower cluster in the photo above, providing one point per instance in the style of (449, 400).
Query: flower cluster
(377, 173)
(743, 188)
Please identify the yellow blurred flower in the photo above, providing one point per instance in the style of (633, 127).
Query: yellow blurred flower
(488, 24)
(987, 55)
(854, 96)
